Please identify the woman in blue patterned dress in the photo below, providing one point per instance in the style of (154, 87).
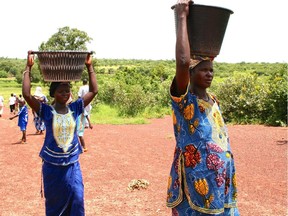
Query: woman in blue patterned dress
(62, 176)
(38, 121)
(202, 180)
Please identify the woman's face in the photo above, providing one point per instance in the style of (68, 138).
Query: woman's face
(62, 93)
(202, 74)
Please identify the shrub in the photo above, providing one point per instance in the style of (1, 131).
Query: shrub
(248, 98)
(3, 74)
(242, 98)
(130, 100)
(276, 102)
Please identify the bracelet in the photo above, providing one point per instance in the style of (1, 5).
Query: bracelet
(25, 72)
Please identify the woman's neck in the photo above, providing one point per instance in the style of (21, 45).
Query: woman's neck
(60, 108)
(200, 93)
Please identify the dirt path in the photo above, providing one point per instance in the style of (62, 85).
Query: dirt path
(118, 154)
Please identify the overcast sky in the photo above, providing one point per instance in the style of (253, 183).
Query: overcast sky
(256, 32)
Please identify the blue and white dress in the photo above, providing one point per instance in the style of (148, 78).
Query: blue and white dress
(23, 118)
(38, 121)
(62, 176)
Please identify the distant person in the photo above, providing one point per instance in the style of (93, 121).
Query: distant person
(202, 179)
(61, 171)
(70, 100)
(81, 120)
(12, 101)
(22, 120)
(16, 103)
(21, 101)
(82, 91)
(38, 121)
(1, 105)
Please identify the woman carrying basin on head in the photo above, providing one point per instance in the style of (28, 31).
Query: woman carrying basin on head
(202, 180)
(62, 177)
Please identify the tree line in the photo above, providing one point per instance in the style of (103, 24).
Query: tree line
(248, 92)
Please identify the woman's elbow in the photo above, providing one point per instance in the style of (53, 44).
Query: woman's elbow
(94, 92)
(183, 61)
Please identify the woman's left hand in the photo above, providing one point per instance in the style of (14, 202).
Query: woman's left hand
(88, 60)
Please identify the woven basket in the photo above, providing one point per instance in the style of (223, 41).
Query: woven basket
(61, 66)
(206, 26)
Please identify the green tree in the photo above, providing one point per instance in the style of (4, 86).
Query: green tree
(67, 39)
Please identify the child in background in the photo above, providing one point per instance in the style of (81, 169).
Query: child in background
(22, 119)
(1, 105)
(81, 121)
(21, 101)
(16, 104)
(12, 101)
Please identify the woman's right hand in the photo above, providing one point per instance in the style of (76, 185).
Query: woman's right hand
(182, 7)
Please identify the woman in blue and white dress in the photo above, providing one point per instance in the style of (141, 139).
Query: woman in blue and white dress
(62, 176)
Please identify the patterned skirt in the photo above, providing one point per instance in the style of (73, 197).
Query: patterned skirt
(184, 209)
(39, 124)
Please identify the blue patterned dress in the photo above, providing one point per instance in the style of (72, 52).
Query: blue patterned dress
(202, 179)
(62, 176)
(38, 121)
(23, 118)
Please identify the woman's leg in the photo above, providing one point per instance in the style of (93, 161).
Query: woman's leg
(24, 135)
(1, 111)
(63, 190)
(82, 141)
(77, 204)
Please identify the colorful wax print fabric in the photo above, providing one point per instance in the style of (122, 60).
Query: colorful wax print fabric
(203, 172)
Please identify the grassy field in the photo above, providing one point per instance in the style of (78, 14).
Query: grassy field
(104, 114)
(8, 86)
(101, 113)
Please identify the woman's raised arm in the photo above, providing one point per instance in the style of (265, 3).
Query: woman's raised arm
(26, 84)
(93, 86)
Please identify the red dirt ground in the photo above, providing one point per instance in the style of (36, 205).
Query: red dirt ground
(119, 154)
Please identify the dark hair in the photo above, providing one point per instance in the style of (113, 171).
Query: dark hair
(55, 85)
(85, 81)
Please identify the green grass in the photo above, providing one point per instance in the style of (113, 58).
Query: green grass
(101, 113)
(8, 86)
(104, 114)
